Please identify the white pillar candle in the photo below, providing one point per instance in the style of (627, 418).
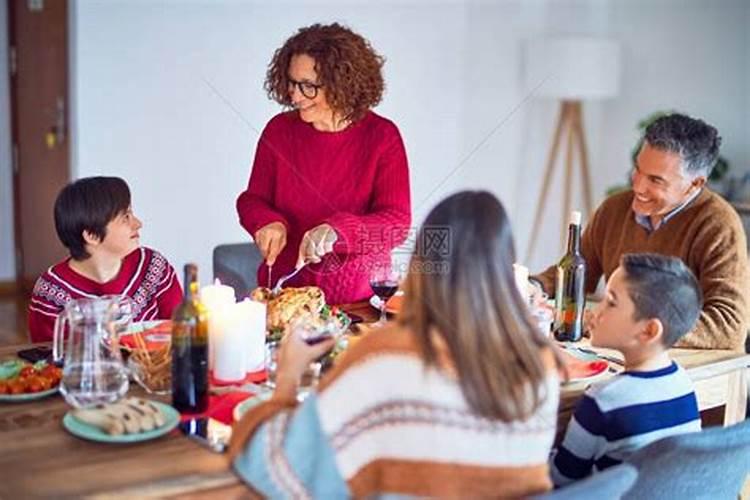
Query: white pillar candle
(254, 319)
(213, 298)
(521, 274)
(217, 294)
(229, 357)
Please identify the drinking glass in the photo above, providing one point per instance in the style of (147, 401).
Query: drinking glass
(384, 280)
(312, 330)
(310, 377)
(543, 316)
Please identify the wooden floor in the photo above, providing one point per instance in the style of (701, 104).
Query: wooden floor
(13, 324)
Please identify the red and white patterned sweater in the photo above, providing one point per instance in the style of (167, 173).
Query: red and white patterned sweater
(145, 276)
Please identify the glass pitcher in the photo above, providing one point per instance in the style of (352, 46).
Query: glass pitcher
(93, 372)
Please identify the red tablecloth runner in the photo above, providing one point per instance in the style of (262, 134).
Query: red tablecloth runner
(220, 407)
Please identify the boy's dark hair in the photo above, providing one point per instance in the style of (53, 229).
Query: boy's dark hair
(664, 288)
(694, 140)
(88, 204)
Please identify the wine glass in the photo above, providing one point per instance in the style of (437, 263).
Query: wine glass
(384, 281)
(311, 331)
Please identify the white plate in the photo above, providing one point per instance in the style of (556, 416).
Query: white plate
(27, 396)
(584, 356)
(92, 433)
(588, 380)
(251, 402)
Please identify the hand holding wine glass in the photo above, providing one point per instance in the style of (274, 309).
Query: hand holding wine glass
(295, 361)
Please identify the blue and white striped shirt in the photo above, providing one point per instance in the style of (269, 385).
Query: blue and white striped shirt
(619, 416)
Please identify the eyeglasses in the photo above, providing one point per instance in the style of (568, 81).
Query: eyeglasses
(308, 89)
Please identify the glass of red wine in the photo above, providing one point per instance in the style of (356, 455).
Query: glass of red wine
(384, 281)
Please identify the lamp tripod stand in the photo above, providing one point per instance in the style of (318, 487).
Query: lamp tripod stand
(570, 122)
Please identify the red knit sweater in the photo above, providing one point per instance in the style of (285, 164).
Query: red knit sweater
(356, 180)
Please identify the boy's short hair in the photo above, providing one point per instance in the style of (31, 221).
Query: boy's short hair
(88, 204)
(664, 288)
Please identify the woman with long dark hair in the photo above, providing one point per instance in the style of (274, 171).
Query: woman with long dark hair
(458, 398)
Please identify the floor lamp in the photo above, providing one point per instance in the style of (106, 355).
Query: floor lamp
(569, 70)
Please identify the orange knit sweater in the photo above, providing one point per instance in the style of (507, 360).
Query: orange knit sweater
(707, 235)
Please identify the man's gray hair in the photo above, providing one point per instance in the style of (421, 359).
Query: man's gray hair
(694, 140)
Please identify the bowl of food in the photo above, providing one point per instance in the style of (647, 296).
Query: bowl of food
(150, 365)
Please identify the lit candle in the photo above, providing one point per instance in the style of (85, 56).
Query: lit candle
(254, 319)
(215, 297)
(217, 294)
(229, 344)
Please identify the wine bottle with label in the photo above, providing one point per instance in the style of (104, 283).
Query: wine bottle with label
(570, 297)
(190, 349)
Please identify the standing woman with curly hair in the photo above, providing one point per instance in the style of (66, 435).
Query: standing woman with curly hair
(329, 185)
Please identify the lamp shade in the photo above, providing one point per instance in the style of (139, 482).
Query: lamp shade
(575, 68)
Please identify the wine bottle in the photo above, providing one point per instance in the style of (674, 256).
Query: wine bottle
(190, 349)
(570, 299)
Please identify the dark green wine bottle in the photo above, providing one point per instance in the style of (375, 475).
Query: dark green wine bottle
(190, 349)
(570, 297)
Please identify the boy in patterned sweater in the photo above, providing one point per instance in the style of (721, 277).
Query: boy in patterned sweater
(652, 300)
(95, 222)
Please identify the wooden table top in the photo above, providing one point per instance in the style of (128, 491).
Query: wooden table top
(39, 458)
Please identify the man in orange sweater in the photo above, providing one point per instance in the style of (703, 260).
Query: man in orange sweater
(671, 211)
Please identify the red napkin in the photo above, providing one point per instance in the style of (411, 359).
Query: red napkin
(220, 407)
(253, 377)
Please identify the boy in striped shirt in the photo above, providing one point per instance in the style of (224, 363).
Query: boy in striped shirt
(652, 300)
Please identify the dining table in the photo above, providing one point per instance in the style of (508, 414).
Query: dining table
(39, 458)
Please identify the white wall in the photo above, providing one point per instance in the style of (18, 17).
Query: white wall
(686, 55)
(169, 95)
(7, 244)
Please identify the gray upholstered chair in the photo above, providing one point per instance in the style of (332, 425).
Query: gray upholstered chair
(236, 265)
(712, 464)
(609, 484)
